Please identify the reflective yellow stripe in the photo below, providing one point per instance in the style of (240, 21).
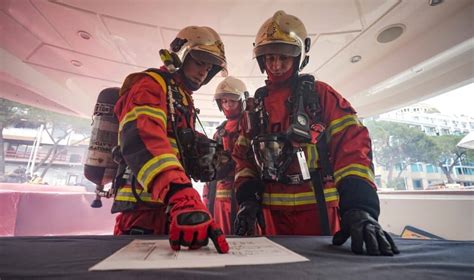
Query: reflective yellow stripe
(242, 141)
(354, 169)
(298, 199)
(155, 166)
(246, 172)
(223, 193)
(174, 146)
(125, 194)
(313, 156)
(286, 199)
(331, 194)
(159, 79)
(340, 124)
(153, 112)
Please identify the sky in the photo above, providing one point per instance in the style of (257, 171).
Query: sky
(459, 101)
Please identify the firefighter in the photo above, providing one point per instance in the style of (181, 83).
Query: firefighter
(220, 194)
(313, 171)
(157, 118)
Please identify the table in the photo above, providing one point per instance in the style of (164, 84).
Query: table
(70, 257)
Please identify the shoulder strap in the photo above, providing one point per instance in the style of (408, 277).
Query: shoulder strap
(306, 83)
(220, 131)
(222, 125)
(306, 86)
(261, 115)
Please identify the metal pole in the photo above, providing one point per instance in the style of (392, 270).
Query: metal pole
(35, 148)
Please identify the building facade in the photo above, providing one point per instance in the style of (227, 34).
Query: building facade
(26, 148)
(423, 176)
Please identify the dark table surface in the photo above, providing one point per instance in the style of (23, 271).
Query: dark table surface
(70, 257)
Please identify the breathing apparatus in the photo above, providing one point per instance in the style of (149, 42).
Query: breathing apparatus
(283, 34)
(100, 167)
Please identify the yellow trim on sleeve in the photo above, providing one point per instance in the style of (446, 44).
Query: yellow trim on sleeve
(153, 112)
(155, 166)
(340, 124)
(354, 169)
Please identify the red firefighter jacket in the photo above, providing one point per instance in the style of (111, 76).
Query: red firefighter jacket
(146, 136)
(348, 142)
(229, 134)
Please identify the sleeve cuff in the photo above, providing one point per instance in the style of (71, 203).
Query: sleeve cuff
(356, 193)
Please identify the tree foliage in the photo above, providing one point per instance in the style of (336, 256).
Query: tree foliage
(449, 154)
(57, 126)
(397, 145)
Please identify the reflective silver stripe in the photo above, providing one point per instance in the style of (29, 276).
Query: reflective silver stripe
(156, 113)
(284, 199)
(125, 194)
(312, 156)
(287, 199)
(340, 124)
(354, 169)
(155, 166)
(223, 193)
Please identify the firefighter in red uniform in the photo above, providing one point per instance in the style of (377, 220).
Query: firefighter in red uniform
(157, 140)
(313, 172)
(229, 98)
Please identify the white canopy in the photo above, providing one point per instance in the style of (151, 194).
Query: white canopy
(467, 142)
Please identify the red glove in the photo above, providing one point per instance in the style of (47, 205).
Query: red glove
(191, 223)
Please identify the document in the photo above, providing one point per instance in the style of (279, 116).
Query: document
(157, 254)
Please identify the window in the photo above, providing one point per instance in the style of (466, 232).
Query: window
(431, 168)
(417, 184)
(416, 167)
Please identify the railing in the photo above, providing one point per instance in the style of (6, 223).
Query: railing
(62, 157)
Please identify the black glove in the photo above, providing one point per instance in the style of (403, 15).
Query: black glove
(250, 213)
(363, 228)
(249, 198)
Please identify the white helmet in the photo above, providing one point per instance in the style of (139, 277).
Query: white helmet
(202, 43)
(282, 34)
(231, 88)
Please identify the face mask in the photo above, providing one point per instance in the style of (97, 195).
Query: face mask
(232, 113)
(281, 78)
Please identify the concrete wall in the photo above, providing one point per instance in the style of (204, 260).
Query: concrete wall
(448, 214)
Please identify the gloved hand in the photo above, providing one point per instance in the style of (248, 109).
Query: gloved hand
(191, 223)
(250, 212)
(363, 228)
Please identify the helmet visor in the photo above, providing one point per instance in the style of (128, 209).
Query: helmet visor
(278, 48)
(208, 57)
(228, 95)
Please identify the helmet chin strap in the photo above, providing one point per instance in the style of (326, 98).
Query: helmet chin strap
(191, 85)
(187, 82)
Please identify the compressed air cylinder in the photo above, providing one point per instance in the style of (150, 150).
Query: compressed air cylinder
(99, 166)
